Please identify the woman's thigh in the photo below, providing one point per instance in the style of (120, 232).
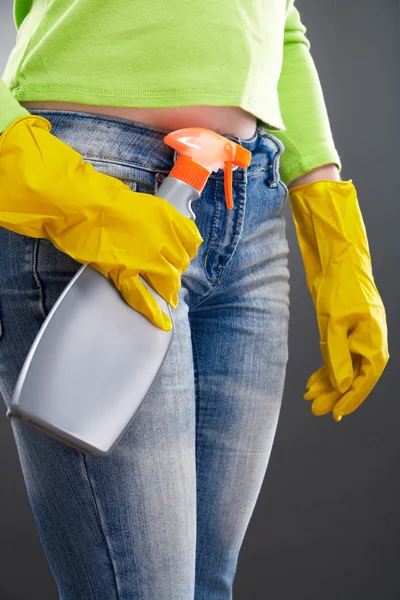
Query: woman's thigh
(121, 526)
(240, 347)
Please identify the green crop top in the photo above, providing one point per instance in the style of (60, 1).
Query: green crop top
(177, 53)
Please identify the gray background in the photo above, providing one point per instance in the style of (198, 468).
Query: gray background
(326, 525)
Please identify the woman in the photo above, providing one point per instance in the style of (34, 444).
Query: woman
(165, 514)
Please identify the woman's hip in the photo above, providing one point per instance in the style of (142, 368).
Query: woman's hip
(242, 261)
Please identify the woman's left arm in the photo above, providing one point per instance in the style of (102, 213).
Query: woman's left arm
(330, 172)
(308, 139)
(332, 238)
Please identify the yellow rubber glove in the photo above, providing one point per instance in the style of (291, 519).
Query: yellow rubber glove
(48, 191)
(350, 313)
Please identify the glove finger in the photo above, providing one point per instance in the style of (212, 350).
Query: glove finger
(325, 403)
(322, 383)
(320, 386)
(138, 296)
(329, 399)
(322, 372)
(180, 260)
(337, 357)
(166, 286)
(369, 373)
(188, 234)
(369, 343)
(166, 283)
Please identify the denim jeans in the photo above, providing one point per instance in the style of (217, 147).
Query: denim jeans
(163, 516)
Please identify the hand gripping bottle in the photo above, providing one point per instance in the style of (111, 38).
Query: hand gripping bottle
(95, 357)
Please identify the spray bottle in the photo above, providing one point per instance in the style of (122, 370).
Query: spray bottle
(95, 357)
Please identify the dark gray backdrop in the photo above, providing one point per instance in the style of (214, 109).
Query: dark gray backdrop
(326, 525)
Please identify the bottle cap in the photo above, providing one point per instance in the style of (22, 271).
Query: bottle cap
(202, 151)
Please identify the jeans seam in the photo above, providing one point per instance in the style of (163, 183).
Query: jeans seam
(97, 513)
(118, 163)
(196, 386)
(212, 234)
(37, 278)
(227, 255)
(210, 293)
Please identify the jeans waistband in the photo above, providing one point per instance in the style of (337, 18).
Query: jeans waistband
(102, 136)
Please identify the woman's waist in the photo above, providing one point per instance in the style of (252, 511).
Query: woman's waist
(222, 119)
(129, 144)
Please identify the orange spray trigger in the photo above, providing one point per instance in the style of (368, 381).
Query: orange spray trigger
(228, 183)
(203, 151)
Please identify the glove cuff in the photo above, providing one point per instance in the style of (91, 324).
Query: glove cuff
(32, 120)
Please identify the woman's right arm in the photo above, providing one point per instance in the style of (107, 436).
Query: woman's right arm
(10, 108)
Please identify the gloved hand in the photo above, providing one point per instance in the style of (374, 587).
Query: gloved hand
(350, 313)
(48, 191)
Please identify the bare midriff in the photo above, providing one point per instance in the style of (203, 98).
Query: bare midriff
(222, 119)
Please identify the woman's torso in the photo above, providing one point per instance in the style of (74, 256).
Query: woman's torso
(222, 119)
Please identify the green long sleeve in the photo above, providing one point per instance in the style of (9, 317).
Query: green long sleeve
(10, 108)
(307, 137)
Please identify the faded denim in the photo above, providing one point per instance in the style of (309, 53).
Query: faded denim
(163, 517)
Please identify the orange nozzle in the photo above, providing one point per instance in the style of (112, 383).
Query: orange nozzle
(203, 151)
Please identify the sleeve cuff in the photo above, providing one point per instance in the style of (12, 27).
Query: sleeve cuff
(307, 163)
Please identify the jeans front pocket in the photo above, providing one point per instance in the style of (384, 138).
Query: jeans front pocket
(53, 270)
(137, 178)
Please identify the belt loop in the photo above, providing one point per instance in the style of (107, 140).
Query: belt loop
(276, 162)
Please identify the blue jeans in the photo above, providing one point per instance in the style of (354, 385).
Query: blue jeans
(163, 516)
